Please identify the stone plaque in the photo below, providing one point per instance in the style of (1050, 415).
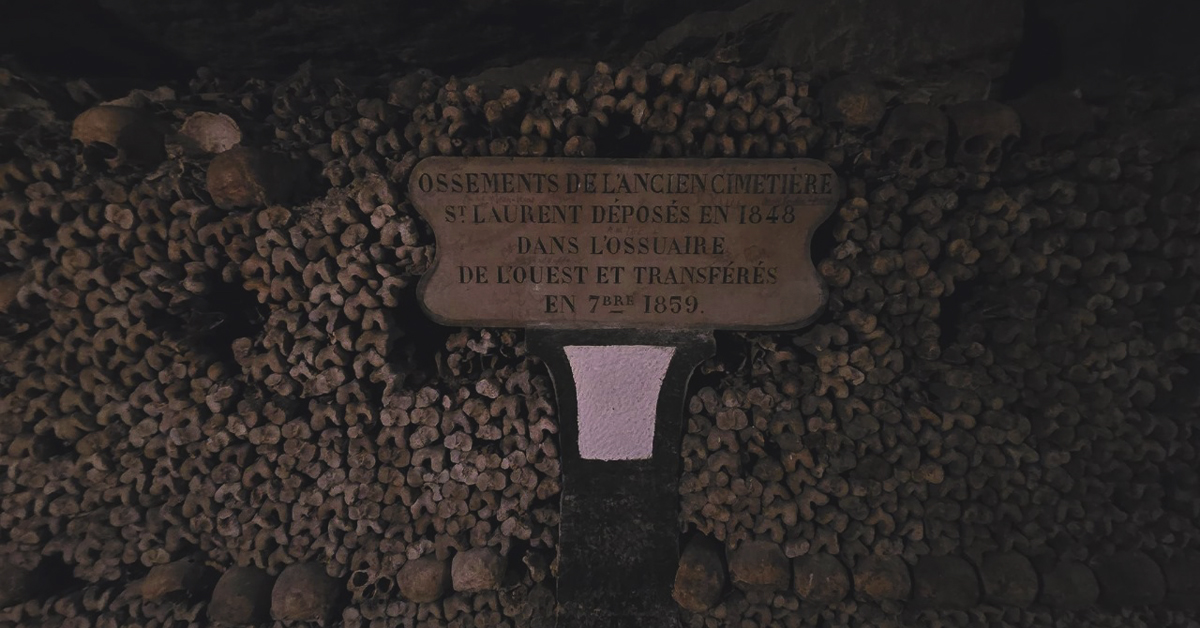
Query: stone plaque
(623, 243)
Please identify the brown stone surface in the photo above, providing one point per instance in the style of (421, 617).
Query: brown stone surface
(188, 575)
(1130, 579)
(882, 578)
(424, 580)
(304, 592)
(1069, 586)
(820, 578)
(244, 177)
(700, 579)
(478, 569)
(759, 565)
(1008, 579)
(945, 582)
(242, 596)
(686, 259)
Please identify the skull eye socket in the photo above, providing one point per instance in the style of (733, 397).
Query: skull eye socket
(101, 150)
(976, 145)
(935, 148)
(97, 154)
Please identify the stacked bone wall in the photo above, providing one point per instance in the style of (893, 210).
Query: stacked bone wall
(220, 399)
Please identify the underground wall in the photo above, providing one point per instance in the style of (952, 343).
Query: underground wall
(220, 401)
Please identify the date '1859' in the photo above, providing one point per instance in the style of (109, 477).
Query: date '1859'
(620, 304)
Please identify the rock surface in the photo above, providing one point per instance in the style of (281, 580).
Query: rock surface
(864, 35)
(270, 38)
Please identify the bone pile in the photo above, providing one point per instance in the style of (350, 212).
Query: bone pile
(219, 400)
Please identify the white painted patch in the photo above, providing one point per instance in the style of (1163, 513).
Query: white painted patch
(617, 388)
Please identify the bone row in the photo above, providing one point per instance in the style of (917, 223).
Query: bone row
(1129, 579)
(189, 591)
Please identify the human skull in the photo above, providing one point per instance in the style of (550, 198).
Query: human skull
(853, 100)
(117, 135)
(1052, 119)
(914, 139)
(210, 132)
(245, 177)
(983, 131)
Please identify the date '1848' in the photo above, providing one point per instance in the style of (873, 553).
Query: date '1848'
(649, 243)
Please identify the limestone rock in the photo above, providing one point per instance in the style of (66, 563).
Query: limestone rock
(945, 582)
(478, 569)
(820, 578)
(1069, 586)
(1009, 579)
(700, 579)
(304, 592)
(424, 580)
(760, 565)
(242, 597)
(244, 177)
(1130, 579)
(852, 35)
(882, 578)
(189, 575)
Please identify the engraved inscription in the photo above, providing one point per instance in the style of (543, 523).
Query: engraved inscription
(647, 243)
